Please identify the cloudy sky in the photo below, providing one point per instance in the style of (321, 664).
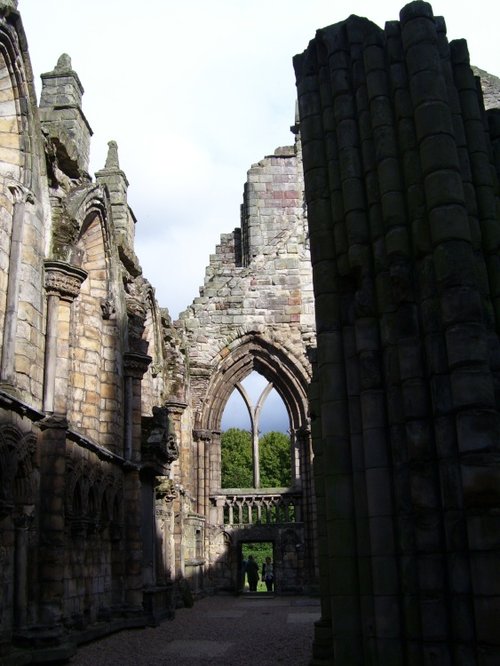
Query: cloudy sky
(194, 92)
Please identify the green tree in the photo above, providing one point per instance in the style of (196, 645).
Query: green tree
(275, 462)
(236, 458)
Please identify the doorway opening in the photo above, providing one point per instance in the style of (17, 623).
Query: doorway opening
(253, 555)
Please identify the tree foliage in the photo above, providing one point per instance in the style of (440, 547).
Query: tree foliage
(275, 467)
(236, 458)
(236, 454)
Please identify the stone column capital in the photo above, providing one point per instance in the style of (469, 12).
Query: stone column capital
(202, 435)
(303, 432)
(165, 489)
(135, 364)
(63, 280)
(175, 408)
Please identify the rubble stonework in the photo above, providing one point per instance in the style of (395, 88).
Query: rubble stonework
(402, 185)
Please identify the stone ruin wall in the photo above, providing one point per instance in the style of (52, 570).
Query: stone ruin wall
(490, 87)
(402, 174)
(259, 280)
(256, 299)
(87, 358)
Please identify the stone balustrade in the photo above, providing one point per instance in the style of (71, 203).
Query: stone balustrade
(259, 507)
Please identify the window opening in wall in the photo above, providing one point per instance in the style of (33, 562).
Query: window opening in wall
(254, 555)
(258, 456)
(236, 413)
(199, 543)
(273, 415)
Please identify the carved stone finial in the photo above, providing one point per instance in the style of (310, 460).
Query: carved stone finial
(112, 158)
(64, 63)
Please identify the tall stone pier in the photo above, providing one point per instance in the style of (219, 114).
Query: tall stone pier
(401, 166)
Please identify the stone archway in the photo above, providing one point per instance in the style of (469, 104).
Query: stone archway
(259, 514)
(256, 312)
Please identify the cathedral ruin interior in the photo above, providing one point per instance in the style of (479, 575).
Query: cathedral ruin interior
(363, 284)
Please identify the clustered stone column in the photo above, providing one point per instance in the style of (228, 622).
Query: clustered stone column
(22, 522)
(135, 365)
(402, 199)
(216, 510)
(165, 493)
(203, 439)
(307, 511)
(62, 285)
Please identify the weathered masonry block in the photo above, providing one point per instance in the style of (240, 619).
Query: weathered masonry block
(402, 184)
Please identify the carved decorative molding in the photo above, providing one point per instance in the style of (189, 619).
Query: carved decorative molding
(135, 364)
(24, 520)
(203, 435)
(156, 369)
(303, 433)
(55, 421)
(63, 280)
(161, 444)
(19, 192)
(107, 307)
(175, 408)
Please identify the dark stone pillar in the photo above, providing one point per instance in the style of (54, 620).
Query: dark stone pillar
(135, 365)
(405, 241)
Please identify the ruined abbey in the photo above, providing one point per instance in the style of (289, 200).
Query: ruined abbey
(363, 283)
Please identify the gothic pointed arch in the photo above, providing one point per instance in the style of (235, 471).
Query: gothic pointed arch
(96, 338)
(16, 158)
(18, 470)
(22, 231)
(270, 358)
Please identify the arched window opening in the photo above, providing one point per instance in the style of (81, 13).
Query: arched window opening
(236, 459)
(236, 414)
(258, 456)
(273, 415)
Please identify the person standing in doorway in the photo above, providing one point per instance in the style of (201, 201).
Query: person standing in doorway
(243, 572)
(268, 574)
(252, 573)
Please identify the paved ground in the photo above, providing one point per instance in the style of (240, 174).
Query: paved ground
(233, 631)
